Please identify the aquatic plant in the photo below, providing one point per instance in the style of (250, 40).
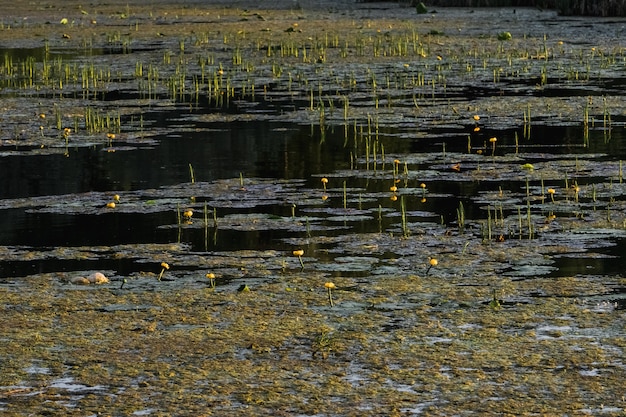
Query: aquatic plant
(431, 263)
(329, 288)
(323, 344)
(299, 253)
(505, 36)
(324, 182)
(576, 190)
(405, 226)
(460, 216)
(164, 267)
(495, 303)
(493, 141)
(211, 277)
(420, 8)
(191, 174)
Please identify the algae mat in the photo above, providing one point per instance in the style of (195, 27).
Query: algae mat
(235, 169)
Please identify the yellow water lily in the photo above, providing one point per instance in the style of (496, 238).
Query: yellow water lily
(211, 277)
(164, 266)
(324, 182)
(431, 262)
(299, 253)
(330, 286)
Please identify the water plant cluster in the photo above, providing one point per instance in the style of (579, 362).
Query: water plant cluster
(445, 239)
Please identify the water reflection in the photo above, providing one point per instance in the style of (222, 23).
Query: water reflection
(266, 149)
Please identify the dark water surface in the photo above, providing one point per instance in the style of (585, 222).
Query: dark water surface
(264, 142)
(256, 149)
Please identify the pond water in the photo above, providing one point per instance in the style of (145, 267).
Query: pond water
(267, 150)
(465, 193)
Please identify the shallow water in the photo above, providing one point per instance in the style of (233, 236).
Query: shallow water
(268, 150)
(528, 284)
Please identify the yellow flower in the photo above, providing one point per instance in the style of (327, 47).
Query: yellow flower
(476, 117)
(330, 287)
(111, 205)
(211, 277)
(299, 253)
(393, 188)
(164, 267)
(431, 262)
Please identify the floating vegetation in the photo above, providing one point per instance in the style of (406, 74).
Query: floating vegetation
(464, 250)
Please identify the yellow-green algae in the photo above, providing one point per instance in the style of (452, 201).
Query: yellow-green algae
(397, 344)
(225, 352)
